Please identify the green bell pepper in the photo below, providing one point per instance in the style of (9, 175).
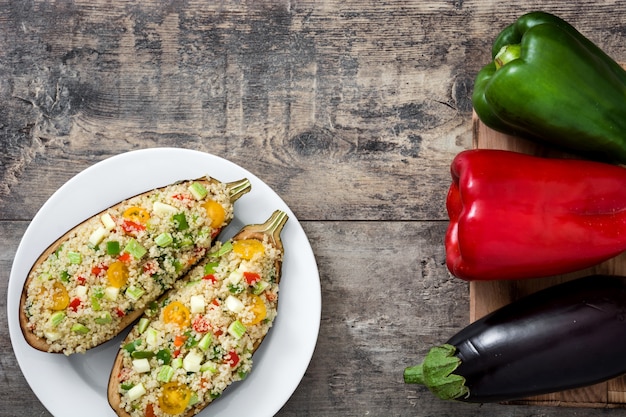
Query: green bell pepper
(549, 83)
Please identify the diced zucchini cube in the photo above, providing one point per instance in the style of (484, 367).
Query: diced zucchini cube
(79, 328)
(234, 304)
(163, 209)
(107, 221)
(164, 239)
(165, 373)
(136, 392)
(135, 249)
(111, 293)
(97, 236)
(141, 365)
(236, 329)
(134, 293)
(74, 257)
(197, 304)
(197, 190)
(81, 291)
(193, 361)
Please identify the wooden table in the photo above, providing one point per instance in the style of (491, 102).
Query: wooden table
(350, 110)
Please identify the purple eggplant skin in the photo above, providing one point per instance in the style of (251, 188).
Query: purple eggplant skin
(567, 336)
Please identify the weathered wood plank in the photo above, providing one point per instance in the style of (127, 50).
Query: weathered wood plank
(313, 98)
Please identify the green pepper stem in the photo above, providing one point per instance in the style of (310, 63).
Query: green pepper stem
(507, 54)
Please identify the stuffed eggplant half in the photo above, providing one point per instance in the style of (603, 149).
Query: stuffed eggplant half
(200, 336)
(97, 279)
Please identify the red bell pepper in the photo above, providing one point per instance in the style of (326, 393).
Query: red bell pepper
(515, 216)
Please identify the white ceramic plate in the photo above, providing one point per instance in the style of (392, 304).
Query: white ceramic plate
(75, 386)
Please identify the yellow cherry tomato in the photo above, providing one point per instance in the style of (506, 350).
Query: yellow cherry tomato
(215, 212)
(117, 274)
(176, 312)
(60, 297)
(136, 214)
(174, 398)
(248, 248)
(258, 309)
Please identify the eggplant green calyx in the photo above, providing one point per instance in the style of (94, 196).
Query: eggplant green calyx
(436, 373)
(507, 54)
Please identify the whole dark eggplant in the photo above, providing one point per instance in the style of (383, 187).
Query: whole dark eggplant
(567, 336)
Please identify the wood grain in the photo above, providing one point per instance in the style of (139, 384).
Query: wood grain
(487, 296)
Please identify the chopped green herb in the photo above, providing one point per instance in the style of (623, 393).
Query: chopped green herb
(164, 356)
(105, 318)
(235, 288)
(209, 268)
(191, 341)
(183, 242)
(64, 276)
(180, 221)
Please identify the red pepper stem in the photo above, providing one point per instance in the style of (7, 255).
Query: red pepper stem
(507, 54)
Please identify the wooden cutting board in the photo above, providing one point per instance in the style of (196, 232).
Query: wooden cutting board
(487, 296)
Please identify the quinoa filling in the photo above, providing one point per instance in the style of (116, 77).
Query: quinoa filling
(199, 338)
(120, 261)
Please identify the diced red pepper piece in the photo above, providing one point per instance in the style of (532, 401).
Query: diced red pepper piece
(251, 277)
(119, 312)
(81, 280)
(210, 277)
(131, 227)
(180, 197)
(200, 324)
(99, 269)
(151, 268)
(74, 304)
(125, 257)
(232, 358)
